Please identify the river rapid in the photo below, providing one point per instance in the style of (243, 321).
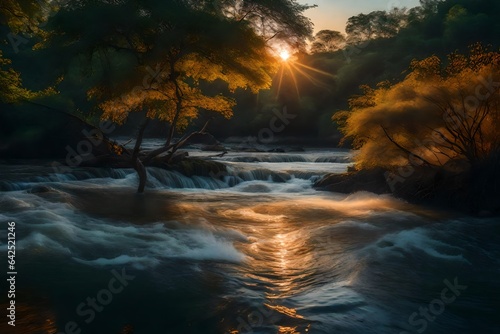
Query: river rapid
(256, 251)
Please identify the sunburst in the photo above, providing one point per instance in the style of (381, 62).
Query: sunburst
(293, 68)
(285, 55)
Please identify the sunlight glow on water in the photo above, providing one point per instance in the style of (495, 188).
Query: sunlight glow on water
(287, 260)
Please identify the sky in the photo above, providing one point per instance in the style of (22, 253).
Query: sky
(333, 14)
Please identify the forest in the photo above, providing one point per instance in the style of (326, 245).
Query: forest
(224, 166)
(406, 86)
(379, 46)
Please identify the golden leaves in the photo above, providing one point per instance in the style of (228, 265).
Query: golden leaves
(178, 95)
(198, 67)
(426, 69)
(437, 112)
(11, 88)
(117, 149)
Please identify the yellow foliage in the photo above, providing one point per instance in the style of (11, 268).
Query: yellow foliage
(178, 97)
(435, 114)
(11, 89)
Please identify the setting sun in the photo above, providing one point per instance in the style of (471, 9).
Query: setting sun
(284, 55)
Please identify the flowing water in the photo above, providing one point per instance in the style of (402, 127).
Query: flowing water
(256, 251)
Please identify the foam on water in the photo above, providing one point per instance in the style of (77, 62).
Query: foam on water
(418, 239)
(336, 263)
(48, 227)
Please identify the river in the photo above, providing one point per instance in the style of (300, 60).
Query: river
(259, 251)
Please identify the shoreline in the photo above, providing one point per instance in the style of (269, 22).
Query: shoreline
(464, 191)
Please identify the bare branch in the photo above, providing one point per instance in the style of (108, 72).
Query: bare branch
(404, 149)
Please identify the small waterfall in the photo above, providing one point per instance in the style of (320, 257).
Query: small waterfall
(263, 175)
(264, 167)
(269, 158)
(13, 186)
(288, 158)
(45, 176)
(160, 178)
(342, 160)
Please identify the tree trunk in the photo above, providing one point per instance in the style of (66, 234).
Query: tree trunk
(168, 144)
(138, 165)
(143, 176)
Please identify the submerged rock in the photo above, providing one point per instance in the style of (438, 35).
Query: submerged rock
(248, 149)
(372, 180)
(280, 177)
(256, 188)
(454, 186)
(296, 149)
(214, 148)
(276, 150)
(40, 189)
(203, 138)
(199, 167)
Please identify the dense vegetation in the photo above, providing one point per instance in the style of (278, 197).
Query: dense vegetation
(406, 86)
(377, 46)
(435, 115)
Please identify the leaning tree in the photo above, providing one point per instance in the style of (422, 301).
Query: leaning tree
(154, 56)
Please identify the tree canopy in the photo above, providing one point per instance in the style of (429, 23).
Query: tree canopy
(24, 15)
(11, 89)
(182, 42)
(377, 24)
(441, 111)
(328, 41)
(95, 59)
(159, 57)
(20, 16)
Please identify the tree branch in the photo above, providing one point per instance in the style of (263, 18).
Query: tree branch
(404, 149)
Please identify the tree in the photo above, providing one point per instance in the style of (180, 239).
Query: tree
(280, 20)
(377, 24)
(24, 15)
(11, 89)
(20, 16)
(157, 55)
(430, 6)
(328, 41)
(436, 114)
(359, 28)
(427, 8)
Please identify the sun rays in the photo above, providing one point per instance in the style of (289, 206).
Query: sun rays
(285, 55)
(292, 67)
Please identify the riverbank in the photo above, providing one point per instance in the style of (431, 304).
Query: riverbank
(471, 190)
(257, 243)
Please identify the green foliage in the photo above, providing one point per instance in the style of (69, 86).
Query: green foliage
(111, 47)
(176, 46)
(171, 59)
(377, 24)
(328, 41)
(425, 32)
(282, 20)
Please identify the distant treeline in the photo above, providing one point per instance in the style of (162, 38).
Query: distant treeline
(372, 52)
(376, 47)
